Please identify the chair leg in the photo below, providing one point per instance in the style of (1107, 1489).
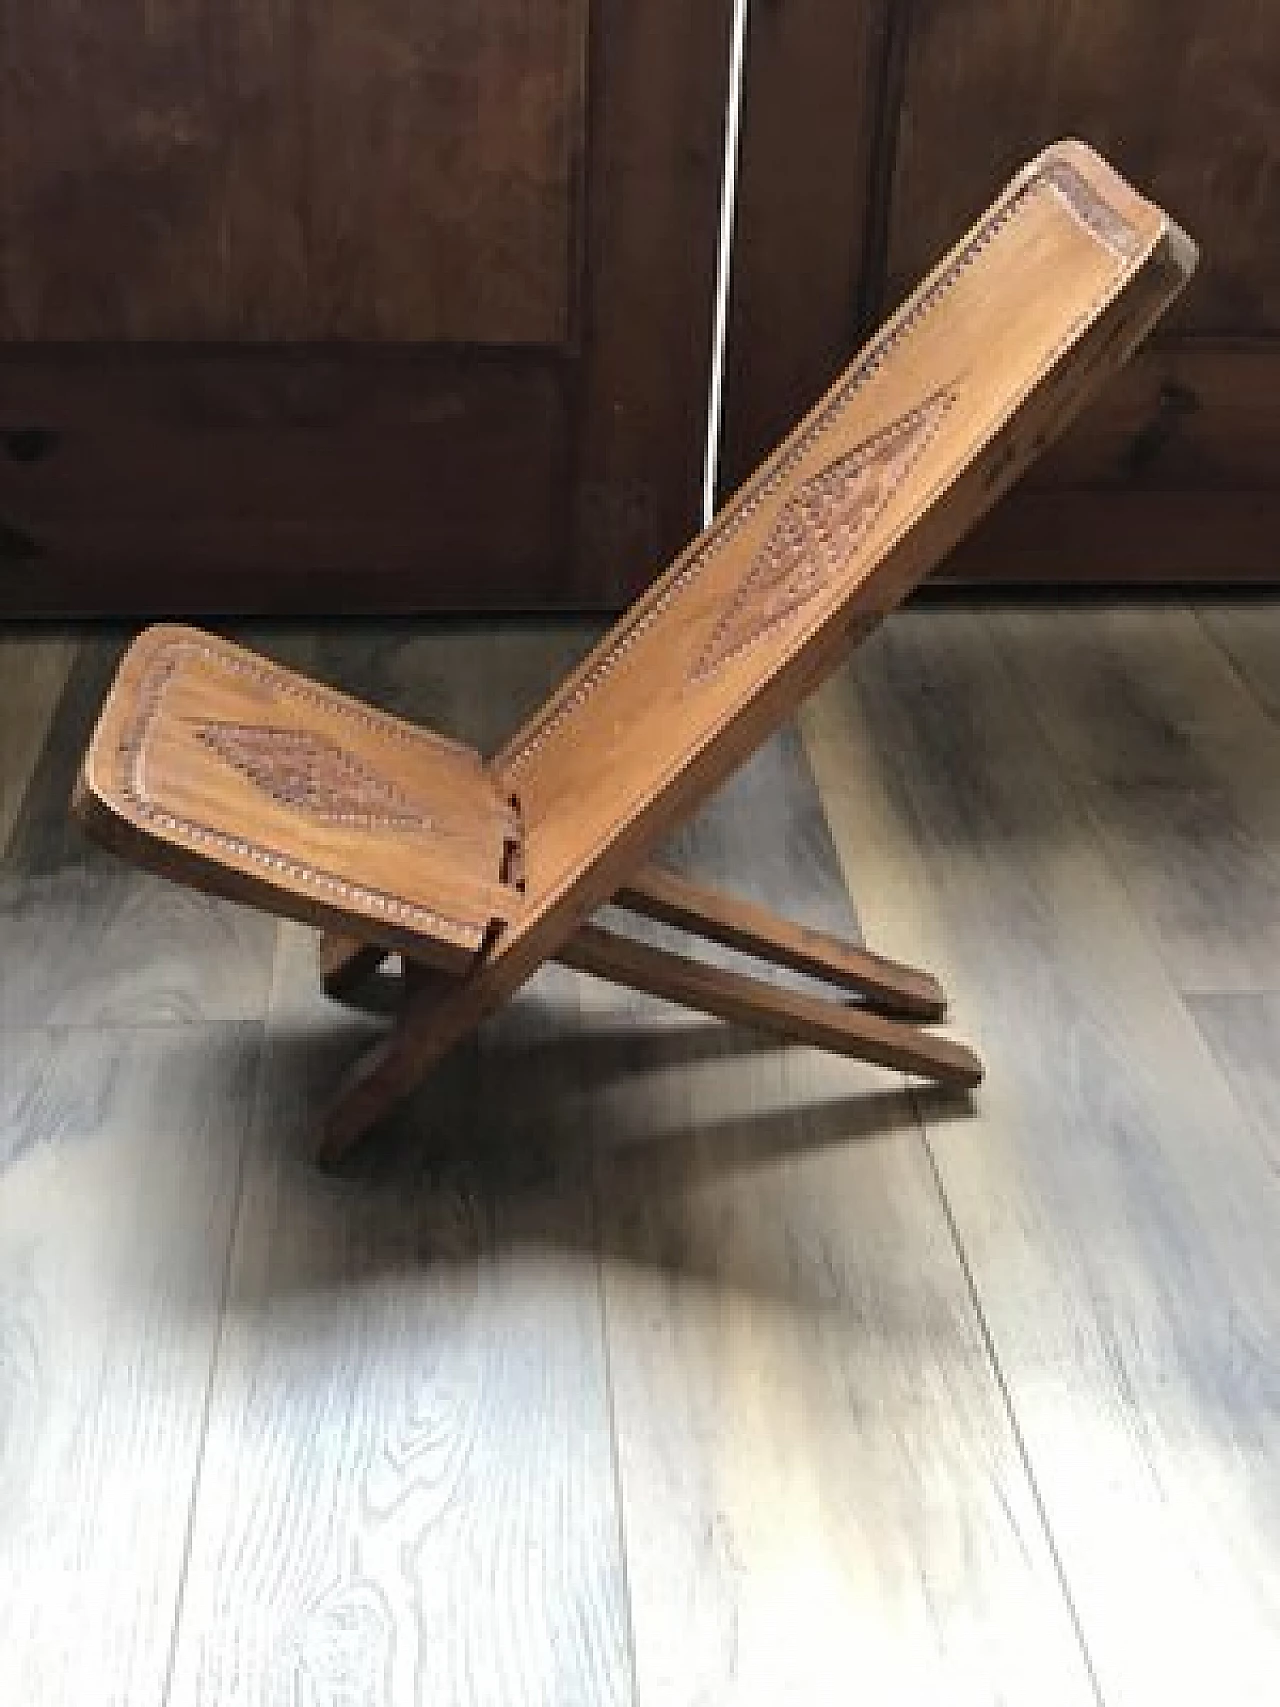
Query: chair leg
(437, 1013)
(346, 963)
(747, 1001)
(658, 894)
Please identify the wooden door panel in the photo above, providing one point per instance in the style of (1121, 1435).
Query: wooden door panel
(1174, 474)
(442, 146)
(353, 305)
(189, 482)
(1185, 98)
(300, 169)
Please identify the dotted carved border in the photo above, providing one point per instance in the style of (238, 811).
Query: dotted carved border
(160, 670)
(929, 415)
(1055, 176)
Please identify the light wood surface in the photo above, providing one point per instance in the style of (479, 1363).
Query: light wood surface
(1249, 633)
(1179, 771)
(119, 1158)
(33, 669)
(822, 1496)
(1243, 1031)
(223, 770)
(1116, 1213)
(84, 940)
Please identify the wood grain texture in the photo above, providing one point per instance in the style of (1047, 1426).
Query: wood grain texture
(293, 170)
(214, 766)
(658, 78)
(407, 1487)
(1125, 77)
(1178, 769)
(1244, 1034)
(1070, 536)
(817, 88)
(1171, 476)
(34, 669)
(1249, 635)
(273, 480)
(119, 1155)
(1118, 1219)
(821, 1492)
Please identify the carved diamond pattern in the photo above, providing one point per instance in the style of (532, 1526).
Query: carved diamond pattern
(817, 535)
(312, 773)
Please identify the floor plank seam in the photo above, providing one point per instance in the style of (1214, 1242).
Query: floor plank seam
(620, 1519)
(1006, 1401)
(252, 1124)
(1245, 680)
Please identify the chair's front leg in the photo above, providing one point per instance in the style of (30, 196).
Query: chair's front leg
(346, 963)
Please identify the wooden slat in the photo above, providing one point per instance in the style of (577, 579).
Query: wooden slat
(748, 1001)
(655, 893)
(659, 894)
(1117, 1216)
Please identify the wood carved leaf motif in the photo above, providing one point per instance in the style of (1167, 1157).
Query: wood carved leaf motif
(814, 539)
(312, 773)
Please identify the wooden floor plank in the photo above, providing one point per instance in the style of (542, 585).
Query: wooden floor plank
(1179, 769)
(822, 1495)
(1248, 631)
(408, 1484)
(1119, 1220)
(88, 940)
(118, 1166)
(34, 665)
(407, 1491)
(1244, 1035)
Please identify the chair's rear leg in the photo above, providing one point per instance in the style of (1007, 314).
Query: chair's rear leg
(346, 963)
(658, 894)
(747, 1001)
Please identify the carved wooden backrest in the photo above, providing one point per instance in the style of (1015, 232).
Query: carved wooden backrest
(935, 418)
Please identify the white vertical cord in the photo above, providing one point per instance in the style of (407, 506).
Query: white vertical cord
(724, 259)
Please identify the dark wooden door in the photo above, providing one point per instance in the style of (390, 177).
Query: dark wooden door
(352, 304)
(873, 134)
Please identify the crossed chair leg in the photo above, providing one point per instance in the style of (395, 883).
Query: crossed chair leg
(885, 1027)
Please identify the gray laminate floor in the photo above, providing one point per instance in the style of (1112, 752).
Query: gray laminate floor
(638, 1360)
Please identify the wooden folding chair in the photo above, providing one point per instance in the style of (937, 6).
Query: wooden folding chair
(227, 772)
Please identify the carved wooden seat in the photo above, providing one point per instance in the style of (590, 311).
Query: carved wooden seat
(228, 772)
